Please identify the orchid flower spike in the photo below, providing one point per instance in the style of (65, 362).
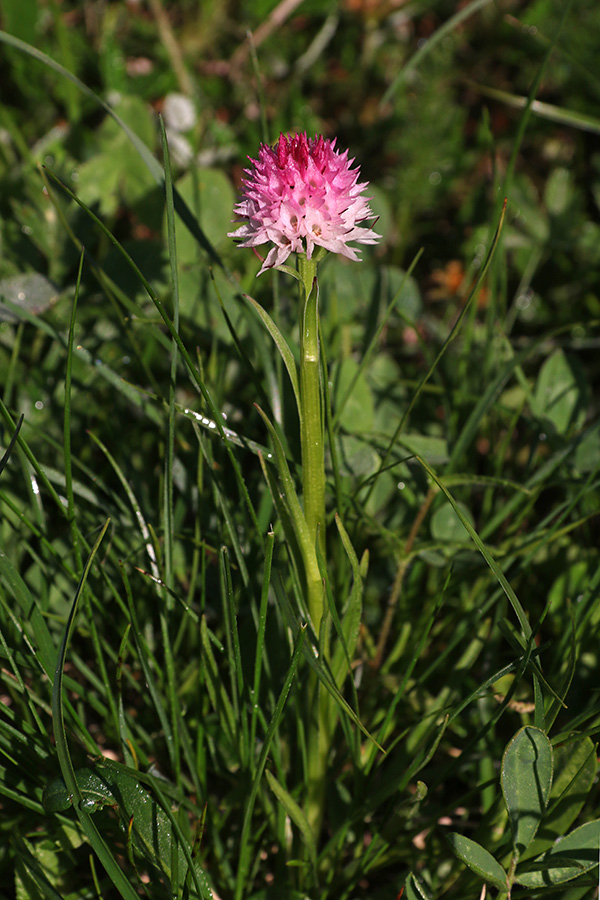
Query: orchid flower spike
(303, 194)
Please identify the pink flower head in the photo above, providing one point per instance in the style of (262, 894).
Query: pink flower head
(303, 194)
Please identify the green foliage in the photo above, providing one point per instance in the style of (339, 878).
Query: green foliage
(461, 582)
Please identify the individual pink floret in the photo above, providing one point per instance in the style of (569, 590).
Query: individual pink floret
(301, 194)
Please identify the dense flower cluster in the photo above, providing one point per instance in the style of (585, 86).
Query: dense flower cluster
(301, 194)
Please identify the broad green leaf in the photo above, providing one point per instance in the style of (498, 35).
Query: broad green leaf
(566, 859)
(575, 769)
(559, 190)
(356, 456)
(526, 779)
(447, 527)
(208, 192)
(38, 867)
(561, 394)
(151, 829)
(114, 174)
(432, 449)
(358, 412)
(31, 292)
(479, 860)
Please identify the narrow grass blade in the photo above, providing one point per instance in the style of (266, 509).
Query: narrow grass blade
(351, 618)
(296, 815)
(549, 111)
(196, 379)
(214, 685)
(97, 842)
(295, 514)
(245, 845)
(284, 350)
(430, 45)
(44, 645)
(498, 574)
(453, 333)
(137, 510)
(144, 658)
(260, 656)
(12, 442)
(68, 463)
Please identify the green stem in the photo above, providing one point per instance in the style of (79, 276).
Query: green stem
(312, 436)
(312, 440)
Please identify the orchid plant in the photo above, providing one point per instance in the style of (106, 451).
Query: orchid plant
(304, 197)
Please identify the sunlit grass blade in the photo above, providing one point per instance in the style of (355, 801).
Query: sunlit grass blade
(284, 350)
(569, 117)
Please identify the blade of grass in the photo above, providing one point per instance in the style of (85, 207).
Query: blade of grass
(429, 45)
(260, 654)
(245, 843)
(97, 842)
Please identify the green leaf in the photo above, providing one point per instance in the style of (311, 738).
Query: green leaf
(433, 449)
(526, 779)
(447, 527)
(566, 859)
(352, 389)
(561, 394)
(479, 860)
(210, 194)
(30, 292)
(575, 769)
(114, 173)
